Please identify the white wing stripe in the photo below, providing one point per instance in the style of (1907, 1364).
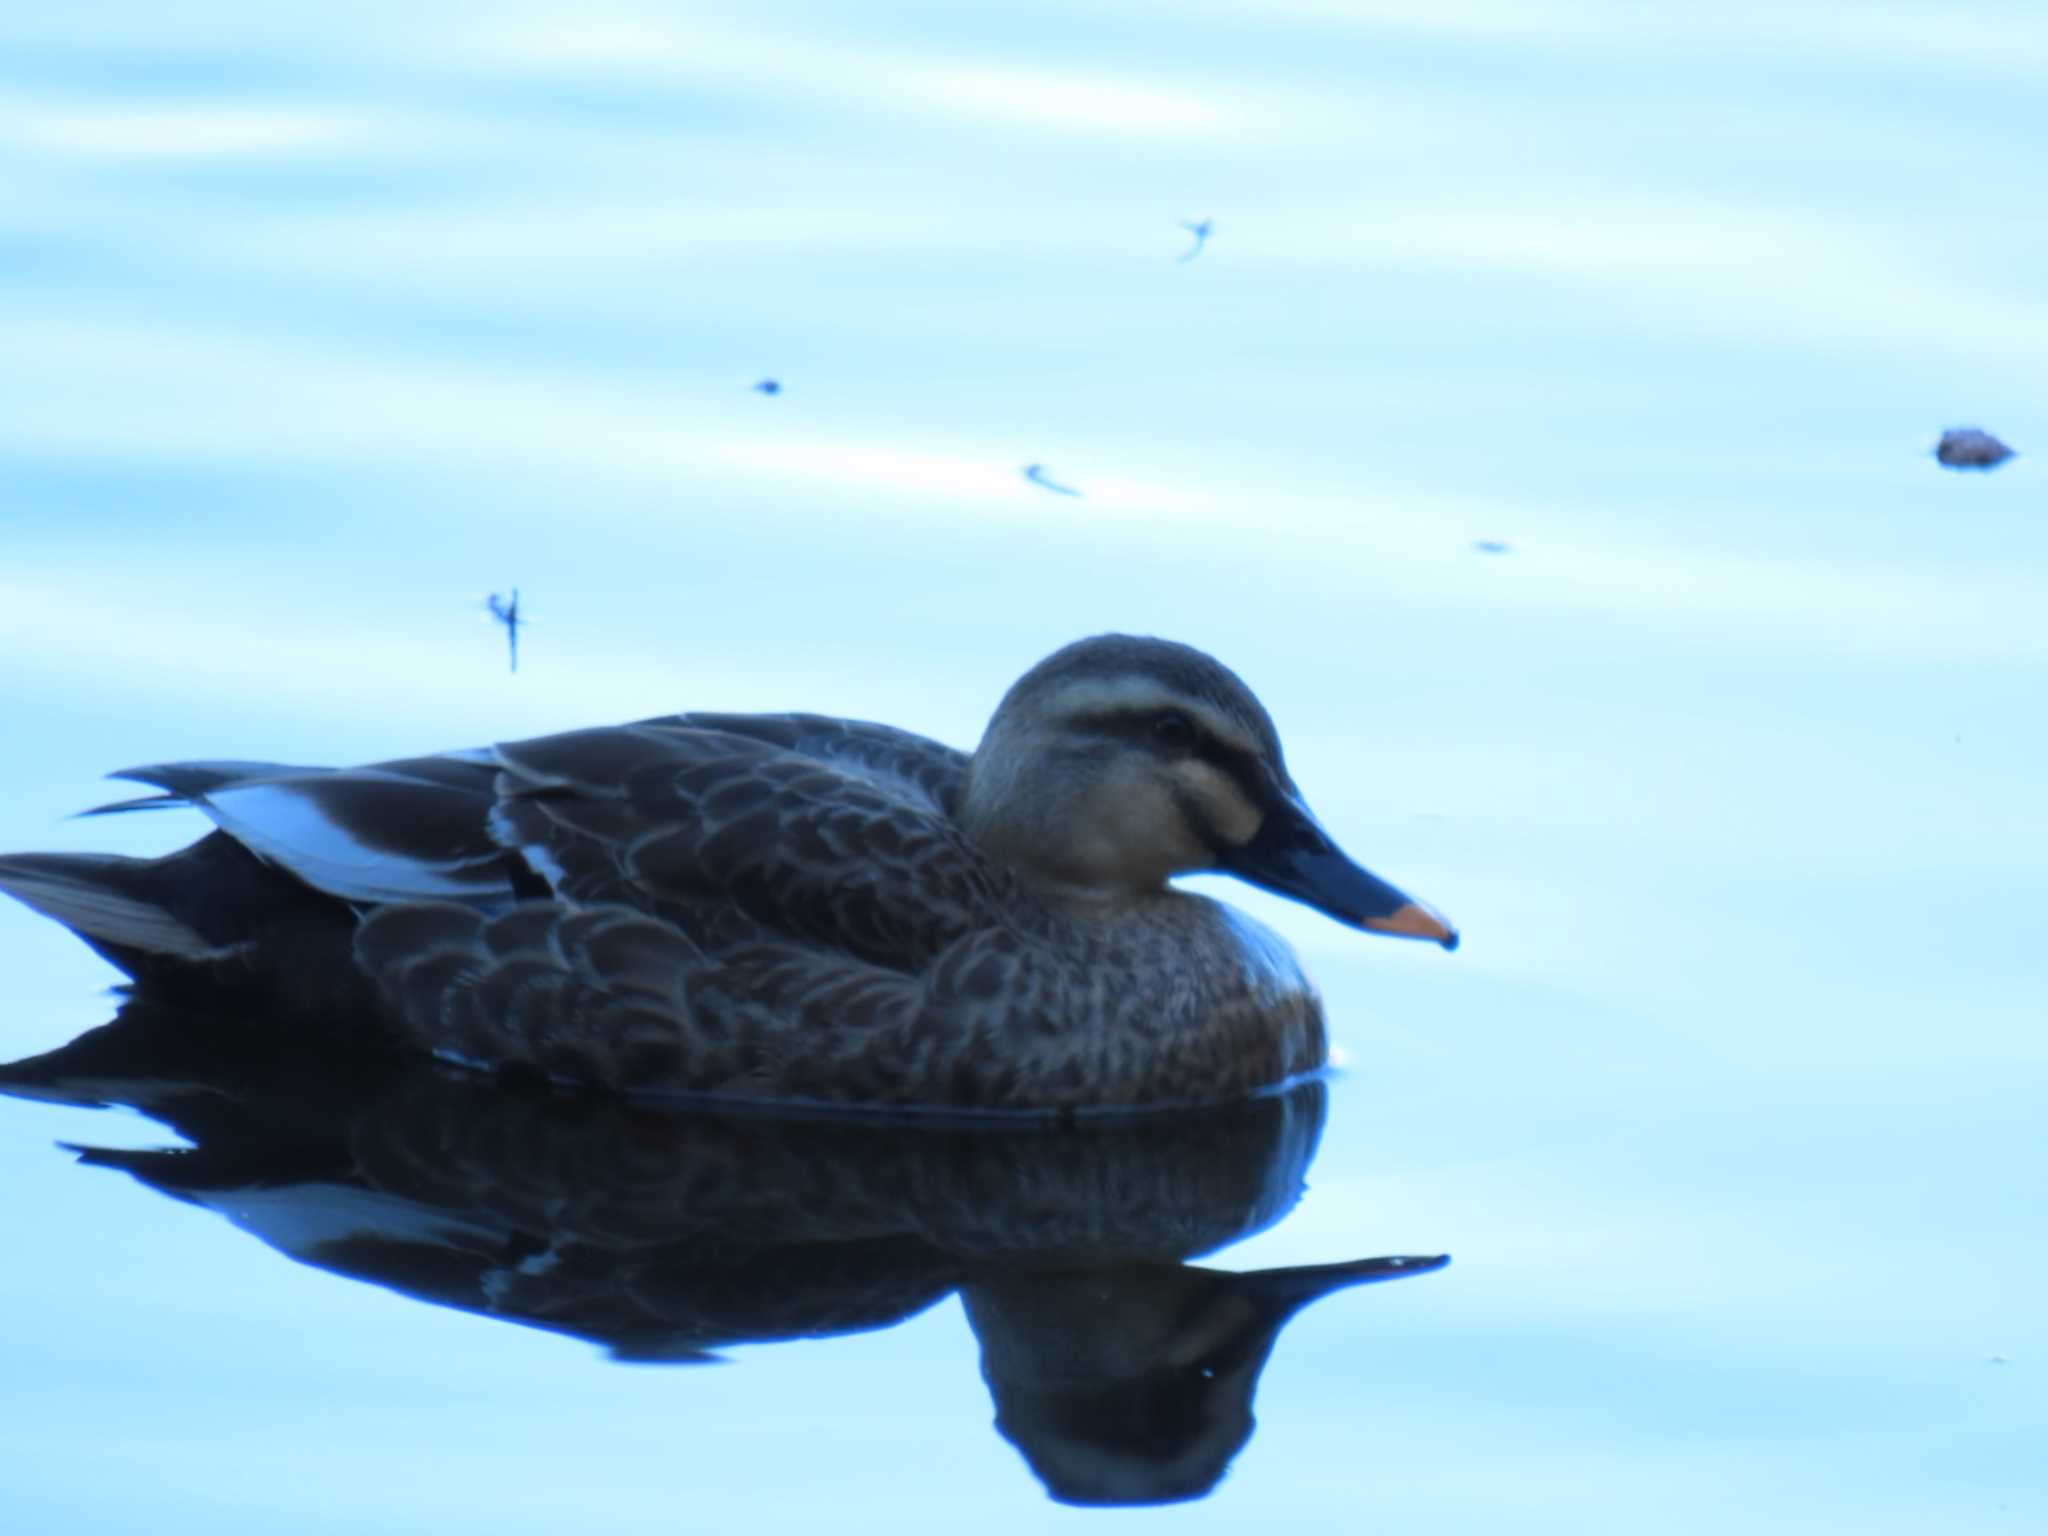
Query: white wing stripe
(279, 823)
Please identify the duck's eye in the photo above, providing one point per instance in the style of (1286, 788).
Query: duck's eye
(1173, 729)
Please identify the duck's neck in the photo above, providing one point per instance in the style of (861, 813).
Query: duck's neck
(1071, 842)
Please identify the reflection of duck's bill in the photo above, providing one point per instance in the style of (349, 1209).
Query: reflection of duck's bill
(1300, 1284)
(1293, 856)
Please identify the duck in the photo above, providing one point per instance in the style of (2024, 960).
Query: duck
(791, 909)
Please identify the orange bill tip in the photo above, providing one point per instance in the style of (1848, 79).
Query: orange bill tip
(1415, 921)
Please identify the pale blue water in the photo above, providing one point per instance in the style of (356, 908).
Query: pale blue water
(320, 327)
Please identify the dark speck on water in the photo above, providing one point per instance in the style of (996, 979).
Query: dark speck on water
(1970, 448)
(1492, 547)
(768, 387)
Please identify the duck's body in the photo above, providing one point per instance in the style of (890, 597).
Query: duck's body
(785, 907)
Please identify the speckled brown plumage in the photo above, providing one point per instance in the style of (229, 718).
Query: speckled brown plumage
(787, 907)
(783, 907)
(1008, 1018)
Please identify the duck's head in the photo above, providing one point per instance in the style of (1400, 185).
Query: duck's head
(1121, 761)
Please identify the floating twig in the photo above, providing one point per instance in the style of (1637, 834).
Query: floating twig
(1036, 474)
(507, 614)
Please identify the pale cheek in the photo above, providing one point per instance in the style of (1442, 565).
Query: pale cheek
(1234, 819)
(1134, 833)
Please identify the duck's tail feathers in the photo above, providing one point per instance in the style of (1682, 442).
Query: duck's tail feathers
(105, 899)
(139, 803)
(186, 783)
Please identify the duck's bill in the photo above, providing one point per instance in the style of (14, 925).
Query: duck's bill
(1293, 856)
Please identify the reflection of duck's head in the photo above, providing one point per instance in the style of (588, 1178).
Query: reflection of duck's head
(1119, 762)
(1133, 1384)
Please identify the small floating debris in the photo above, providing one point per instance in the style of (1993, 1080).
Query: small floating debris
(1201, 230)
(768, 387)
(507, 614)
(1037, 475)
(1970, 448)
(1492, 547)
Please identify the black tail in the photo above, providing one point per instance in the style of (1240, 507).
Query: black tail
(109, 901)
(208, 924)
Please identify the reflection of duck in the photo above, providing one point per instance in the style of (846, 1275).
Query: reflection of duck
(1122, 1374)
(776, 906)
(1133, 1385)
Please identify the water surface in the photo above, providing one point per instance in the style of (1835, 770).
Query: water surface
(320, 329)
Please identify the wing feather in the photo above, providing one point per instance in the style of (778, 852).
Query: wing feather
(365, 835)
(736, 828)
(815, 830)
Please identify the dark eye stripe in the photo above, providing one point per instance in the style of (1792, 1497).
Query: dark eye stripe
(1124, 725)
(1136, 726)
